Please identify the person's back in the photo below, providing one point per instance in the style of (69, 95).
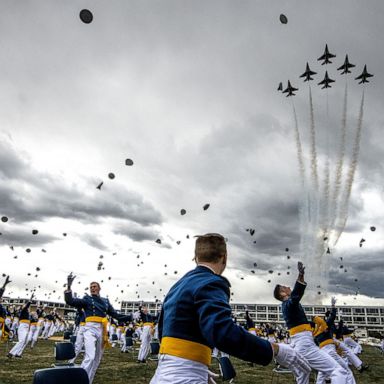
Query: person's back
(196, 317)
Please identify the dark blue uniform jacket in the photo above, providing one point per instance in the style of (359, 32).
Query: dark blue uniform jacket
(197, 309)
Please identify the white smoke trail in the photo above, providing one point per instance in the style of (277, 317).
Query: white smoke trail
(304, 210)
(343, 215)
(340, 162)
(314, 174)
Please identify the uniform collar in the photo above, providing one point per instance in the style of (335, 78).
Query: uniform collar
(201, 267)
(206, 266)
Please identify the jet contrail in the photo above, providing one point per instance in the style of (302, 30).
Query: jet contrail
(304, 209)
(299, 148)
(340, 161)
(314, 174)
(351, 174)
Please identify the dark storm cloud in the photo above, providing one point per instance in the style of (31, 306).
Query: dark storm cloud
(93, 241)
(29, 195)
(136, 232)
(22, 237)
(365, 266)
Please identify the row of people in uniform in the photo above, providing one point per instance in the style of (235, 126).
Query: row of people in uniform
(196, 317)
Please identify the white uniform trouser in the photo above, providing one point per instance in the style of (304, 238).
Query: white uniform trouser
(119, 333)
(176, 370)
(215, 353)
(40, 325)
(93, 342)
(356, 347)
(52, 330)
(349, 356)
(32, 335)
(47, 329)
(331, 350)
(8, 322)
(14, 325)
(79, 342)
(271, 338)
(22, 334)
(145, 346)
(317, 359)
(112, 331)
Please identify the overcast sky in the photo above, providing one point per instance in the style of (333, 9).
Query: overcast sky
(188, 91)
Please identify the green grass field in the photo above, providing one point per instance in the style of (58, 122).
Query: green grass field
(121, 368)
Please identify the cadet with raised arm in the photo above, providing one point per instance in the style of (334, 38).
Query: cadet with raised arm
(96, 309)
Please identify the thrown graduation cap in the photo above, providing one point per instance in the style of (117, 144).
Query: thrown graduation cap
(183, 212)
(270, 271)
(319, 293)
(35, 231)
(206, 206)
(283, 19)
(99, 186)
(158, 241)
(288, 257)
(269, 281)
(37, 269)
(129, 162)
(362, 240)
(252, 232)
(28, 250)
(325, 238)
(286, 249)
(187, 236)
(373, 229)
(355, 280)
(288, 272)
(64, 234)
(86, 16)
(252, 271)
(11, 246)
(278, 273)
(175, 272)
(255, 264)
(328, 251)
(178, 242)
(4, 219)
(341, 266)
(111, 175)
(280, 87)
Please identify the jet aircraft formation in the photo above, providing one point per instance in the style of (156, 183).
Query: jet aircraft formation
(325, 59)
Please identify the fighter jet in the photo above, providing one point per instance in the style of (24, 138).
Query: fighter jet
(345, 67)
(308, 73)
(363, 76)
(326, 56)
(289, 90)
(325, 82)
(280, 87)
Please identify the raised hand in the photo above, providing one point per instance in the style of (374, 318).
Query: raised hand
(32, 296)
(70, 279)
(300, 268)
(7, 281)
(333, 301)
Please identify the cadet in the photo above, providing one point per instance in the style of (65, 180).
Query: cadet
(196, 317)
(300, 331)
(96, 309)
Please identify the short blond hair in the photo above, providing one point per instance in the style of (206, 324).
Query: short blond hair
(210, 247)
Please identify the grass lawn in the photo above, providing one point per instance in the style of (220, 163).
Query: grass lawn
(121, 368)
